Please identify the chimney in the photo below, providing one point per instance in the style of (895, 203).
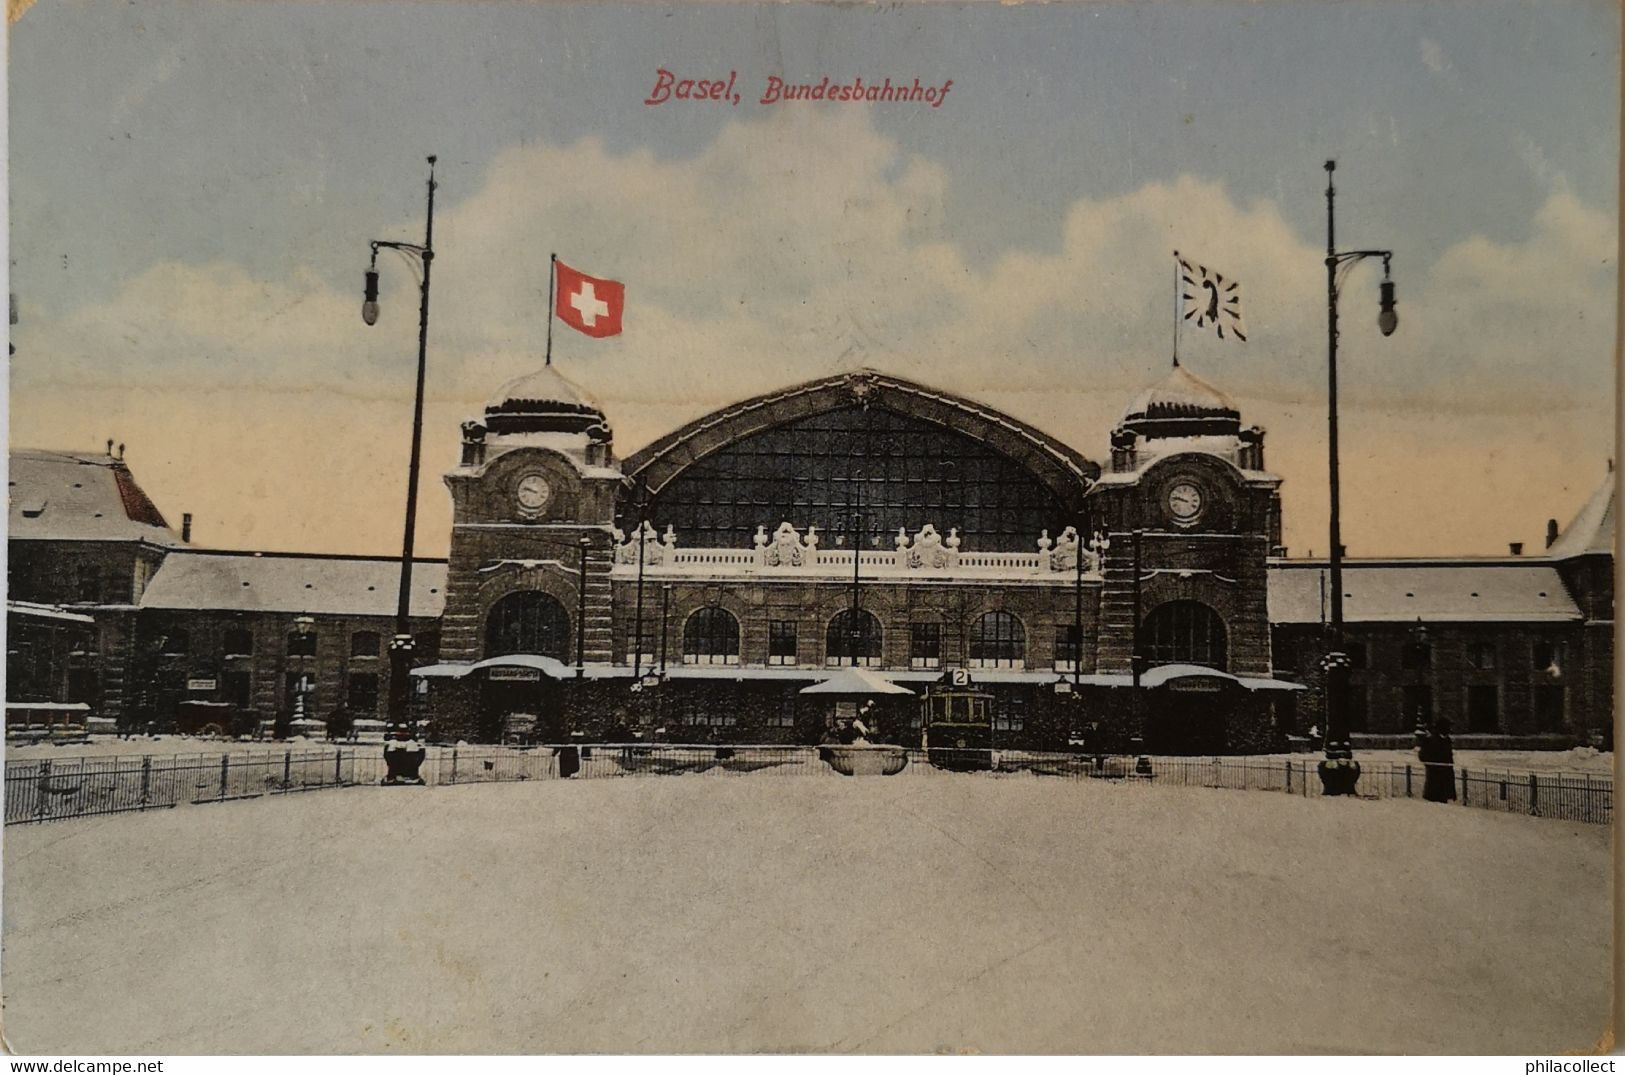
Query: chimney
(109, 447)
(1551, 532)
(186, 527)
(1515, 548)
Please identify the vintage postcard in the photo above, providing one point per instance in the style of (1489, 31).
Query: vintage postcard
(811, 528)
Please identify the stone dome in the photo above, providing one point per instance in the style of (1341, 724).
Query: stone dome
(543, 401)
(1181, 404)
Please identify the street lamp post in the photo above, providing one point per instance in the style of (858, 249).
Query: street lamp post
(637, 616)
(1339, 772)
(401, 645)
(583, 544)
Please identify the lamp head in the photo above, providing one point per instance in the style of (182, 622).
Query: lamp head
(1388, 319)
(369, 298)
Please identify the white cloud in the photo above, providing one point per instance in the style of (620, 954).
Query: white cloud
(807, 242)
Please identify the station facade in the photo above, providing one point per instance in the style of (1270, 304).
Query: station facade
(691, 590)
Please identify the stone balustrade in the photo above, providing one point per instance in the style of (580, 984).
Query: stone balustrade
(791, 551)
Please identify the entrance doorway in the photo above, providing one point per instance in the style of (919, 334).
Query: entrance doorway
(520, 705)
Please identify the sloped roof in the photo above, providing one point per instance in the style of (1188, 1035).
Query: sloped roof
(1051, 460)
(1400, 591)
(1181, 394)
(544, 387)
(66, 496)
(1592, 528)
(856, 681)
(292, 582)
(35, 610)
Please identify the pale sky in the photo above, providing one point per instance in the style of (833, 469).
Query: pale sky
(193, 186)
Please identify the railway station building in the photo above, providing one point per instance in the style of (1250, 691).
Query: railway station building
(691, 590)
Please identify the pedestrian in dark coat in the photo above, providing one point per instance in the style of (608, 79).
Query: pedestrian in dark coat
(1437, 754)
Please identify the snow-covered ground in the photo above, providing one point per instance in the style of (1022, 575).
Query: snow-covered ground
(743, 914)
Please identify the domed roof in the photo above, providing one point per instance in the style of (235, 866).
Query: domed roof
(1181, 394)
(541, 401)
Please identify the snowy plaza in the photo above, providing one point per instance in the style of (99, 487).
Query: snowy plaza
(700, 913)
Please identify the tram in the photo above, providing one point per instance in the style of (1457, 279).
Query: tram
(957, 724)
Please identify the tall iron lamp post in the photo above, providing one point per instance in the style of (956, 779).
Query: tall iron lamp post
(401, 646)
(1339, 772)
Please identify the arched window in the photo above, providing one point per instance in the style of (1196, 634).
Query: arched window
(711, 636)
(1184, 632)
(528, 621)
(853, 630)
(997, 640)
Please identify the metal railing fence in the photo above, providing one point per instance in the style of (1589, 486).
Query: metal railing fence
(52, 788)
(46, 789)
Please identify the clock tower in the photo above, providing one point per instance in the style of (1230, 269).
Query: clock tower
(1188, 478)
(533, 501)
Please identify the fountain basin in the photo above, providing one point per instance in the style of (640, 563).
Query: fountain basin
(864, 759)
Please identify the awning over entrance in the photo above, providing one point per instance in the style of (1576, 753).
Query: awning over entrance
(856, 681)
(823, 678)
(551, 667)
(1165, 674)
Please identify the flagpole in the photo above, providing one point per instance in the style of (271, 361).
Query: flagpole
(1176, 308)
(552, 272)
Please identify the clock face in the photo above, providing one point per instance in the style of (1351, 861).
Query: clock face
(532, 493)
(1185, 502)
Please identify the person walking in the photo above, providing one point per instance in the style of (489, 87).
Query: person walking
(1438, 756)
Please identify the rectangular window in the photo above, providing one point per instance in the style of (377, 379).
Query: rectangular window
(1066, 647)
(1547, 656)
(705, 712)
(1548, 699)
(361, 693)
(925, 645)
(237, 688)
(1481, 655)
(1009, 713)
(83, 686)
(364, 644)
(301, 643)
(781, 645)
(1483, 709)
(783, 713)
(649, 661)
(239, 642)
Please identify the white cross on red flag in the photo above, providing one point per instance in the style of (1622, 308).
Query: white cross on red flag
(588, 304)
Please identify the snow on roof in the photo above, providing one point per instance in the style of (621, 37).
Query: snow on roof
(1592, 528)
(1149, 450)
(1181, 394)
(292, 582)
(63, 496)
(544, 386)
(1393, 591)
(856, 681)
(46, 612)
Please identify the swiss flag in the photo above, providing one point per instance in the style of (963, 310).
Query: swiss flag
(587, 303)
